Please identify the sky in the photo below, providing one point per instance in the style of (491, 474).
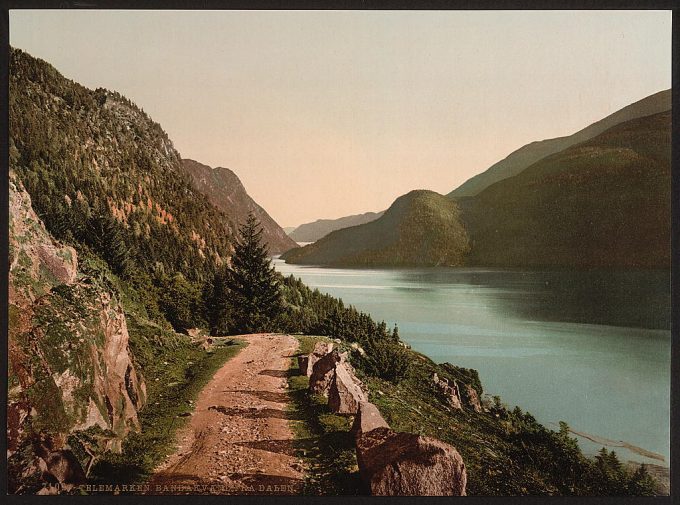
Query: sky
(323, 114)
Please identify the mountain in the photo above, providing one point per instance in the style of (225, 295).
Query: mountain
(602, 203)
(420, 228)
(311, 232)
(289, 229)
(93, 159)
(531, 153)
(226, 192)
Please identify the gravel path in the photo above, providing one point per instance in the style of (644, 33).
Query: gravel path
(238, 440)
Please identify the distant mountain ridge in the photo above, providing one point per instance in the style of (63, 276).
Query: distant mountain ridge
(311, 232)
(420, 228)
(226, 192)
(531, 153)
(602, 203)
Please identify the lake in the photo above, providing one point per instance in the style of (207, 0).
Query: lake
(591, 348)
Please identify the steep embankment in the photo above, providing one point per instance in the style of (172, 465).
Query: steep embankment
(605, 202)
(531, 153)
(73, 386)
(419, 228)
(311, 232)
(226, 192)
(239, 441)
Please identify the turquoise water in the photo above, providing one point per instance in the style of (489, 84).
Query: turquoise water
(590, 348)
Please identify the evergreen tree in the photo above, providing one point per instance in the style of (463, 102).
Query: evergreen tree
(217, 307)
(256, 299)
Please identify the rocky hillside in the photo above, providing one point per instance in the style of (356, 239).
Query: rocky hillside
(311, 232)
(226, 192)
(73, 387)
(419, 228)
(94, 159)
(604, 202)
(531, 153)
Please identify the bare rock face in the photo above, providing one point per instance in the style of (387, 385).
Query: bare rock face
(34, 254)
(323, 372)
(70, 368)
(472, 398)
(450, 391)
(345, 393)
(405, 464)
(368, 418)
(320, 350)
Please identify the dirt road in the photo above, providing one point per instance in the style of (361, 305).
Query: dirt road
(238, 440)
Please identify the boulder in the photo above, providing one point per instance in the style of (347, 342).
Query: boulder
(368, 418)
(345, 393)
(406, 464)
(472, 398)
(450, 392)
(322, 373)
(319, 351)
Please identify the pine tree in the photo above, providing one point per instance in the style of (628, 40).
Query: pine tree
(217, 306)
(253, 284)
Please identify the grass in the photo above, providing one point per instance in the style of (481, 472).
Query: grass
(322, 439)
(175, 374)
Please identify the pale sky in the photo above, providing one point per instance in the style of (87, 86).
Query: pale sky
(329, 113)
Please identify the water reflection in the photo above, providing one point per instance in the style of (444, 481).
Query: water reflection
(591, 348)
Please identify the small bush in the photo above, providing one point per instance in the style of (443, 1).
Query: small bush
(385, 359)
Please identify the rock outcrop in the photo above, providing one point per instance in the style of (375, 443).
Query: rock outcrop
(323, 372)
(390, 463)
(72, 380)
(368, 418)
(319, 351)
(472, 398)
(346, 392)
(450, 391)
(406, 464)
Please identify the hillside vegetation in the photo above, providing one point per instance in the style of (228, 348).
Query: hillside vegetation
(226, 192)
(520, 159)
(419, 228)
(602, 203)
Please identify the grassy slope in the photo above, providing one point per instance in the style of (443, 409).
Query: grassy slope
(506, 453)
(605, 202)
(419, 228)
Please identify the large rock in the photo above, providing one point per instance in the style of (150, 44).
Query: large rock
(368, 418)
(70, 366)
(450, 391)
(406, 464)
(319, 351)
(472, 398)
(345, 393)
(323, 373)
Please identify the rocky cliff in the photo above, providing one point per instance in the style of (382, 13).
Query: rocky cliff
(226, 192)
(73, 389)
